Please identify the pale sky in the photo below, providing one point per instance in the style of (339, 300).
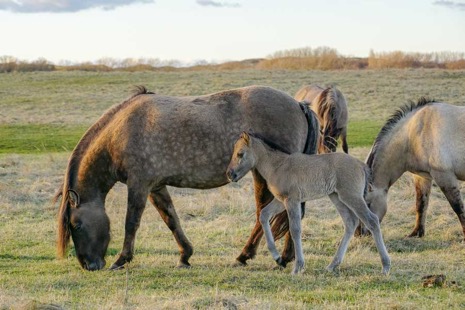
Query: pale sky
(214, 30)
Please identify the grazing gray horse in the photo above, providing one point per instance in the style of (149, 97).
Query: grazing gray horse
(150, 142)
(296, 178)
(426, 138)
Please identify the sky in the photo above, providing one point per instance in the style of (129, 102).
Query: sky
(217, 31)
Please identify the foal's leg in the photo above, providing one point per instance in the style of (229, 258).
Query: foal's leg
(269, 211)
(162, 201)
(294, 213)
(262, 198)
(137, 196)
(423, 190)
(350, 223)
(450, 187)
(371, 221)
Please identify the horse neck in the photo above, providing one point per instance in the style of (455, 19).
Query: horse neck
(390, 160)
(94, 179)
(267, 160)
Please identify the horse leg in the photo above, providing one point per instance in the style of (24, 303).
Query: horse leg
(423, 190)
(270, 210)
(350, 223)
(294, 212)
(162, 201)
(262, 198)
(371, 222)
(137, 197)
(450, 187)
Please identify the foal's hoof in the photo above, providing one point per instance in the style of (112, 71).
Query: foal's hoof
(281, 262)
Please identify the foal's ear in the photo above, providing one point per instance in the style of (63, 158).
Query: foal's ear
(370, 187)
(73, 198)
(246, 137)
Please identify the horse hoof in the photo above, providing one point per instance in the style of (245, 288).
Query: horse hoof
(277, 267)
(332, 269)
(281, 262)
(239, 263)
(416, 234)
(297, 272)
(182, 265)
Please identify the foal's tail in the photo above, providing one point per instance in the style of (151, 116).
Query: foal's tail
(280, 222)
(368, 179)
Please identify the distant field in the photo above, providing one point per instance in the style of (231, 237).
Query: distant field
(49, 111)
(43, 115)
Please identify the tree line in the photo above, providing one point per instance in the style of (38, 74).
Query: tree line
(307, 58)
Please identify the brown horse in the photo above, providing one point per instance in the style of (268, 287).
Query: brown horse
(150, 142)
(331, 107)
(426, 138)
(296, 178)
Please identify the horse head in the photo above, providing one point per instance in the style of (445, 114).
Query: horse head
(88, 225)
(242, 159)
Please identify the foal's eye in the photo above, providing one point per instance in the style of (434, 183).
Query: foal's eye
(240, 155)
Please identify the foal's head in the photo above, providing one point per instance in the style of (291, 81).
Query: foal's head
(243, 158)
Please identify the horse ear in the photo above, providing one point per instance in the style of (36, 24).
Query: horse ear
(73, 198)
(370, 187)
(246, 137)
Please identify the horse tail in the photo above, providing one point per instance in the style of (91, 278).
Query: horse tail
(327, 104)
(280, 222)
(368, 179)
(313, 132)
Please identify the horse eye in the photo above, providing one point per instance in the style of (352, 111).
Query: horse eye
(240, 155)
(77, 227)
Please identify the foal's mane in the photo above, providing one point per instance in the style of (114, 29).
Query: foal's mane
(401, 113)
(73, 166)
(270, 144)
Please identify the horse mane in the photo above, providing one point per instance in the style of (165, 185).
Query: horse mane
(270, 144)
(401, 113)
(69, 182)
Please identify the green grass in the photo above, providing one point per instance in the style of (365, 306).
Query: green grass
(362, 133)
(48, 138)
(38, 138)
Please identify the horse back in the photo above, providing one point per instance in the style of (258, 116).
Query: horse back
(308, 93)
(436, 138)
(188, 141)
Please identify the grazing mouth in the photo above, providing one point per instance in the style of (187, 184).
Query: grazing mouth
(92, 266)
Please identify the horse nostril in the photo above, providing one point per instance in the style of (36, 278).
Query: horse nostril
(231, 175)
(93, 266)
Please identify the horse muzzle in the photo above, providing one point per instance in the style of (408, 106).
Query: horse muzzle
(93, 265)
(231, 175)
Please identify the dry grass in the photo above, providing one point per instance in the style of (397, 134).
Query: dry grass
(217, 221)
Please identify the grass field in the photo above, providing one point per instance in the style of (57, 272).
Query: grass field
(42, 115)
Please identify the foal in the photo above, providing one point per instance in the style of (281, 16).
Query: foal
(297, 178)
